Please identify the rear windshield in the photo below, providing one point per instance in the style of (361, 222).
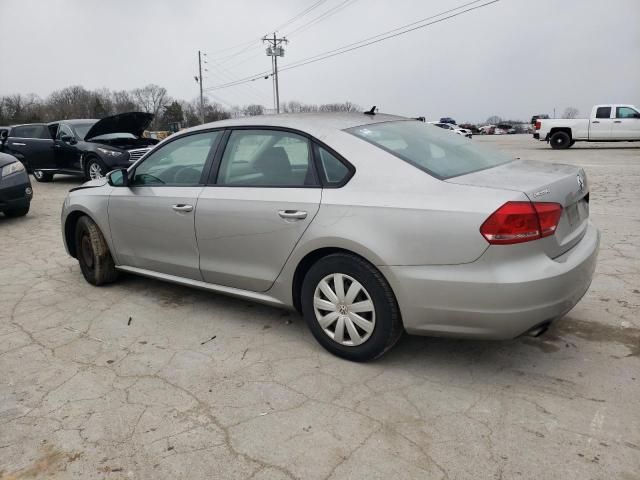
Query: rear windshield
(441, 153)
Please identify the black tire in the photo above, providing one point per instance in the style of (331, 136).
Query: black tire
(42, 177)
(93, 253)
(388, 324)
(94, 163)
(17, 211)
(560, 140)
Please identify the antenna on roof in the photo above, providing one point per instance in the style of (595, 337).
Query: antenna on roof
(372, 111)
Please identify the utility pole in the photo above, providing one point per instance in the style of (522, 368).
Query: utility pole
(275, 50)
(200, 81)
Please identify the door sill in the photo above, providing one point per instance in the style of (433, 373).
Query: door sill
(188, 282)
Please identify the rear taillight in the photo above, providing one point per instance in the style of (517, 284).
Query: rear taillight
(517, 222)
(538, 124)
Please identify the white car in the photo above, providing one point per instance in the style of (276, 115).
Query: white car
(608, 123)
(454, 128)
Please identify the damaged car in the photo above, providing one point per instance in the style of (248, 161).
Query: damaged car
(85, 147)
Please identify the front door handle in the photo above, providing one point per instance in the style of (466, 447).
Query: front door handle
(595, 121)
(617, 121)
(181, 207)
(19, 144)
(292, 214)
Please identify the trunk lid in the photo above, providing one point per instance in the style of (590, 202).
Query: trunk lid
(134, 123)
(543, 182)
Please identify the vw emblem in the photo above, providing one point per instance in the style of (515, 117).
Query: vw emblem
(580, 182)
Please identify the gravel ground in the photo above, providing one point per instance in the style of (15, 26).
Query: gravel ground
(128, 381)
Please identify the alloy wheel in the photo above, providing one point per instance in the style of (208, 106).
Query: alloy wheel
(95, 171)
(344, 309)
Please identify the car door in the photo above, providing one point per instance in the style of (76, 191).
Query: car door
(152, 218)
(626, 125)
(600, 127)
(32, 145)
(67, 155)
(264, 196)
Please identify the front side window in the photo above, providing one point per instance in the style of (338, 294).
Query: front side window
(625, 112)
(64, 131)
(429, 148)
(178, 163)
(266, 158)
(603, 112)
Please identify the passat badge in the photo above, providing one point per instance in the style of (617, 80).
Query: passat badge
(546, 191)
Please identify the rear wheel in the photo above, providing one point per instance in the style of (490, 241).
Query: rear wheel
(17, 211)
(93, 253)
(350, 308)
(41, 176)
(560, 140)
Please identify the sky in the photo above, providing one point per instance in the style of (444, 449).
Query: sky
(513, 58)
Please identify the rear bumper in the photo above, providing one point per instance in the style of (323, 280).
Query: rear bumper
(494, 299)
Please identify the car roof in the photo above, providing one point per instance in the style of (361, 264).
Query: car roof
(306, 122)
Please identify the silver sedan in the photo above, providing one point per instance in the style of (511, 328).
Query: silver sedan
(369, 225)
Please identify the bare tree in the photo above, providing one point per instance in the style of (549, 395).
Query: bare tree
(494, 120)
(570, 112)
(152, 98)
(253, 110)
(123, 102)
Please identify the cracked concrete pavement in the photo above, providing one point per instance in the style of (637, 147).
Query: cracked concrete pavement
(84, 393)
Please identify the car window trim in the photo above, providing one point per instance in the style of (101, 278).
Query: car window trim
(319, 177)
(205, 169)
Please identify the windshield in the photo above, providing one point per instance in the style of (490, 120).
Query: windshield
(112, 136)
(440, 153)
(81, 129)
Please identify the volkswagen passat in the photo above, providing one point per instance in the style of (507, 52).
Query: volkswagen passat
(369, 225)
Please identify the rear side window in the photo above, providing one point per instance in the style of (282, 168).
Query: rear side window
(334, 171)
(429, 148)
(603, 112)
(266, 158)
(31, 131)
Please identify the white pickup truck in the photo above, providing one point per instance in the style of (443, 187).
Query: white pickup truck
(608, 123)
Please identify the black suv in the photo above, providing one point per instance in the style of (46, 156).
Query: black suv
(87, 148)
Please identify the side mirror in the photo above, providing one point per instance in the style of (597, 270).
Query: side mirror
(68, 139)
(118, 178)
(4, 134)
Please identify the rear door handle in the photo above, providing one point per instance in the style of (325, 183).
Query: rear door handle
(595, 121)
(19, 144)
(292, 214)
(181, 207)
(617, 121)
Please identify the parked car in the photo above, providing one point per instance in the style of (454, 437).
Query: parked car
(504, 129)
(541, 116)
(608, 123)
(448, 120)
(86, 148)
(15, 187)
(454, 128)
(487, 129)
(297, 211)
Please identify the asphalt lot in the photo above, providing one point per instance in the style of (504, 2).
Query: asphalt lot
(87, 393)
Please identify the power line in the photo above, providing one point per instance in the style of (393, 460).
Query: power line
(250, 44)
(322, 17)
(363, 43)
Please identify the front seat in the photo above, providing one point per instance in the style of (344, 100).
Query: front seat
(275, 167)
